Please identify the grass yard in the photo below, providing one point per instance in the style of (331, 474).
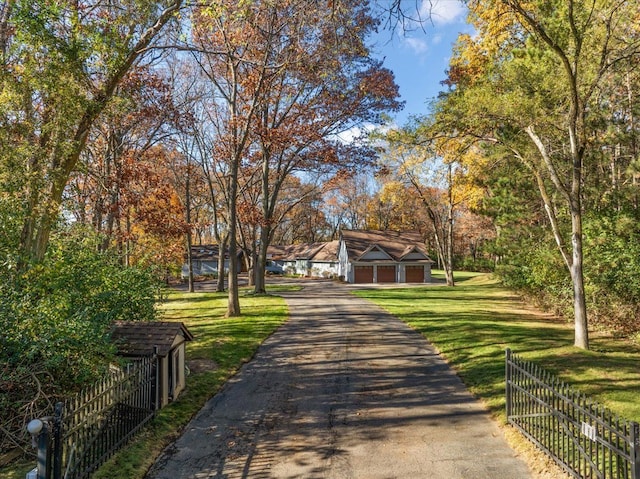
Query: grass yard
(470, 324)
(220, 346)
(474, 322)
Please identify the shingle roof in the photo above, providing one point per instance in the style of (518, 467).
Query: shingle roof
(207, 252)
(138, 338)
(395, 243)
(314, 251)
(327, 253)
(204, 252)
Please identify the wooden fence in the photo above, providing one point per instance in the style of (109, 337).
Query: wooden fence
(102, 418)
(583, 437)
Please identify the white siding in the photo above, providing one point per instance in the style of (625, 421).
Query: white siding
(324, 269)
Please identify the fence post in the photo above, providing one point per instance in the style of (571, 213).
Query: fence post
(57, 441)
(41, 434)
(635, 450)
(155, 385)
(507, 382)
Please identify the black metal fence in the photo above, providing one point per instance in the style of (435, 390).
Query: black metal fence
(88, 429)
(584, 438)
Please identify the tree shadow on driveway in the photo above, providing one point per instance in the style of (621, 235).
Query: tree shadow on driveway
(342, 390)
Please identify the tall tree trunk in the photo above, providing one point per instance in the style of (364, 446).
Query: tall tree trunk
(222, 250)
(573, 259)
(448, 270)
(581, 331)
(233, 306)
(127, 242)
(261, 262)
(187, 201)
(443, 232)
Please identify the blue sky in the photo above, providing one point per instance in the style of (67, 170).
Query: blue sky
(420, 57)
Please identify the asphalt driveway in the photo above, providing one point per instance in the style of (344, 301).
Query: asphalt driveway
(342, 390)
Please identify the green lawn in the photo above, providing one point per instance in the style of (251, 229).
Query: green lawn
(474, 322)
(222, 344)
(226, 343)
(471, 324)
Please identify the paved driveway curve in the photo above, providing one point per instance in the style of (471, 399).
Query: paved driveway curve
(342, 390)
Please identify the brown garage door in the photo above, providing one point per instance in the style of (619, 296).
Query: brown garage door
(386, 274)
(415, 274)
(363, 274)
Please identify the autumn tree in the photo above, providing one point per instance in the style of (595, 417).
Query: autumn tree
(61, 64)
(328, 84)
(199, 140)
(396, 206)
(306, 222)
(285, 83)
(531, 84)
(223, 35)
(123, 147)
(347, 202)
(433, 172)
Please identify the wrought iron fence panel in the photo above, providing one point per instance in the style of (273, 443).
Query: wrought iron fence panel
(583, 437)
(102, 418)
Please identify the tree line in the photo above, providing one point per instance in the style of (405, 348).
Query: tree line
(540, 111)
(130, 131)
(126, 127)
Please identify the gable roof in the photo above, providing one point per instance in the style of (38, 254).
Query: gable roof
(396, 244)
(207, 252)
(325, 252)
(372, 248)
(138, 338)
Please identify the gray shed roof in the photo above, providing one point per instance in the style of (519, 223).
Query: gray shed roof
(138, 338)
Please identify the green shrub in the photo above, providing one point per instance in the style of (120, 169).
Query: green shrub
(480, 265)
(55, 319)
(537, 271)
(611, 269)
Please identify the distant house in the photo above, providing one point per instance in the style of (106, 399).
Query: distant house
(205, 260)
(309, 259)
(372, 256)
(324, 261)
(138, 339)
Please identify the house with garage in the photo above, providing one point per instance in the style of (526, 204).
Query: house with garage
(374, 256)
(316, 260)
(323, 262)
(164, 339)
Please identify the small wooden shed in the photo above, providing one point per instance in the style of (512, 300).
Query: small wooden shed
(137, 339)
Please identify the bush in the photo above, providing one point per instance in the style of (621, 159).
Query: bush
(611, 269)
(480, 265)
(55, 318)
(536, 270)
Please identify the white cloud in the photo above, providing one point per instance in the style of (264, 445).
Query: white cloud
(352, 134)
(418, 45)
(358, 133)
(443, 11)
